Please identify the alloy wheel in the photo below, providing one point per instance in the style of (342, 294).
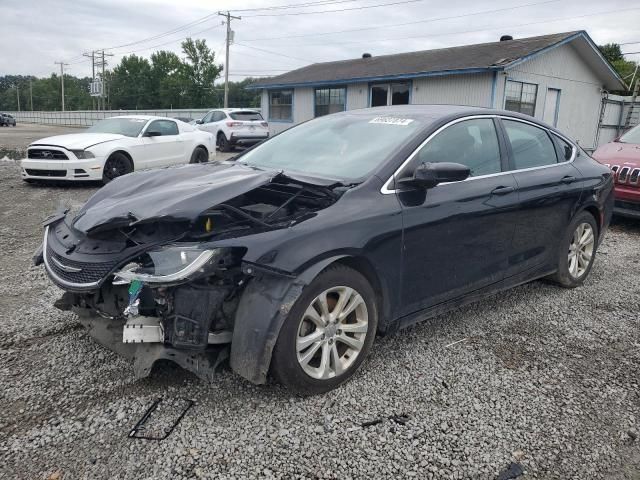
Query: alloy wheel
(581, 250)
(332, 332)
(116, 167)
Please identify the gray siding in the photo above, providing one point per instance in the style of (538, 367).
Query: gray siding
(580, 88)
(473, 90)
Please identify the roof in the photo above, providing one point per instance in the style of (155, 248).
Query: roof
(475, 58)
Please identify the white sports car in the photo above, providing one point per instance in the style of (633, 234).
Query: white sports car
(116, 146)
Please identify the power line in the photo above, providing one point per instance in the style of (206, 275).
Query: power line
(376, 27)
(364, 7)
(606, 12)
(272, 52)
(295, 5)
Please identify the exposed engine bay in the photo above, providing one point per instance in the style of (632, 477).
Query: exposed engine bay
(160, 287)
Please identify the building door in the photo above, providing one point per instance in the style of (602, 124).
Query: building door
(390, 94)
(551, 106)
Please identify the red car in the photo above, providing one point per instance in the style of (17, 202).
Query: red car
(623, 157)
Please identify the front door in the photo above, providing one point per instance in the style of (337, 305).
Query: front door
(551, 106)
(457, 236)
(165, 148)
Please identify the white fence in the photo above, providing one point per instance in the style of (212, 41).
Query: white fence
(86, 118)
(613, 117)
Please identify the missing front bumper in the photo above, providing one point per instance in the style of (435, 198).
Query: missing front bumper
(109, 333)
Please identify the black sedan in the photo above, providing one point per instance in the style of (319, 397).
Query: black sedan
(289, 259)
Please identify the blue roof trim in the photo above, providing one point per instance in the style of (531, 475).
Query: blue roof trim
(570, 38)
(382, 78)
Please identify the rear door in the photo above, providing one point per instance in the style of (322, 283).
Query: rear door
(550, 188)
(457, 236)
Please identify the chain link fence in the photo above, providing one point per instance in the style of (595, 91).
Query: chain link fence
(86, 118)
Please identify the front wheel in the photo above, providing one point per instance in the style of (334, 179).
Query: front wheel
(577, 251)
(199, 155)
(327, 334)
(116, 165)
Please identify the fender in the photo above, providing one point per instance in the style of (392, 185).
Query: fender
(265, 303)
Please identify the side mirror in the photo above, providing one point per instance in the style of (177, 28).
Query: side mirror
(152, 133)
(428, 175)
(199, 122)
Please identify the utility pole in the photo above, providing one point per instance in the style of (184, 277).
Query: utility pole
(101, 63)
(62, 65)
(228, 17)
(31, 94)
(18, 95)
(93, 73)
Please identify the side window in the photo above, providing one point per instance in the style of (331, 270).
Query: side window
(473, 143)
(165, 127)
(531, 146)
(207, 117)
(218, 116)
(564, 149)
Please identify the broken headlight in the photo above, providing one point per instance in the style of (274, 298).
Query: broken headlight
(170, 264)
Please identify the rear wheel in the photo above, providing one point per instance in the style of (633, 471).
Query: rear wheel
(577, 251)
(223, 143)
(199, 155)
(328, 333)
(117, 164)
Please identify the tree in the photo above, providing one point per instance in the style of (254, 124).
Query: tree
(131, 84)
(167, 79)
(200, 72)
(613, 53)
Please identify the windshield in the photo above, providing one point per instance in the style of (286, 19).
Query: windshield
(343, 146)
(129, 127)
(632, 136)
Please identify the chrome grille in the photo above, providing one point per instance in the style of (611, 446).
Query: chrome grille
(72, 273)
(622, 174)
(633, 178)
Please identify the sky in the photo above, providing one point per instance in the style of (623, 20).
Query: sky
(270, 41)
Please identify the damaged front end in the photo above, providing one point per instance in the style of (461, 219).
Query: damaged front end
(161, 280)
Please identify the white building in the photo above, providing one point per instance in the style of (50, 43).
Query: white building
(559, 78)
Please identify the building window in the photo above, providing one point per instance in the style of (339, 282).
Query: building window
(329, 100)
(521, 97)
(384, 94)
(280, 105)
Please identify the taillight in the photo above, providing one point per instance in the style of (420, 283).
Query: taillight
(234, 124)
(264, 124)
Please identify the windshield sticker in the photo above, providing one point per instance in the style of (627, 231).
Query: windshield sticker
(392, 121)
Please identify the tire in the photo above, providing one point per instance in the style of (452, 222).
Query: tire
(117, 164)
(199, 155)
(576, 254)
(301, 369)
(222, 143)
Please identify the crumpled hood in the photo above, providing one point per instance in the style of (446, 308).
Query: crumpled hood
(619, 153)
(78, 141)
(177, 193)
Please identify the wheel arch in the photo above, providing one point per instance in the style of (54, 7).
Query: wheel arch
(265, 304)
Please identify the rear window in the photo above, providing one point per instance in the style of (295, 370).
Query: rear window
(246, 116)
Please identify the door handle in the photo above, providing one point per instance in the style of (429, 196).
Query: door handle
(568, 179)
(502, 190)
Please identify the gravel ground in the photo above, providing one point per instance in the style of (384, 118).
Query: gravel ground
(14, 140)
(542, 377)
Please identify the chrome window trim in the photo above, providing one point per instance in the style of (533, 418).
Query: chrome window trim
(53, 274)
(386, 190)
